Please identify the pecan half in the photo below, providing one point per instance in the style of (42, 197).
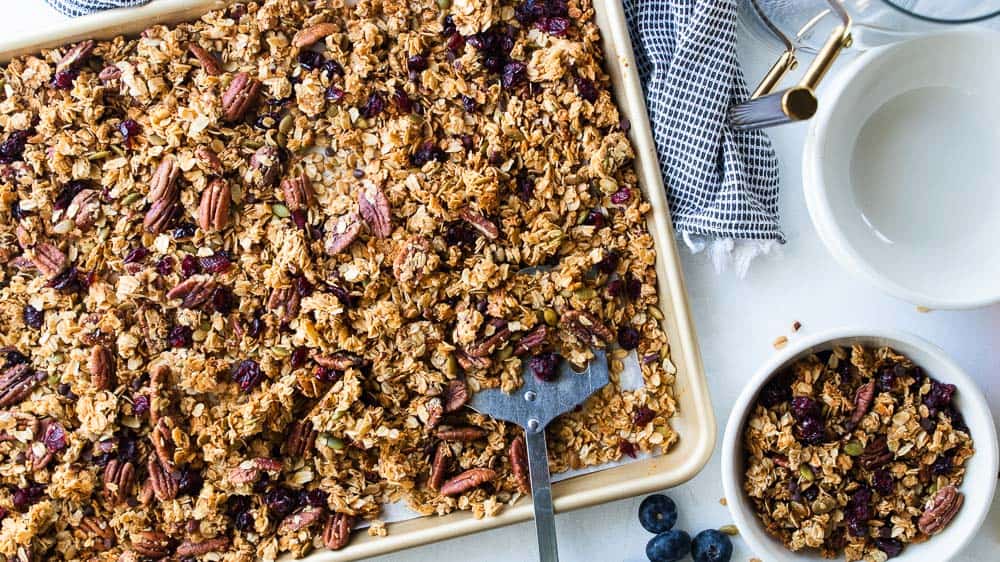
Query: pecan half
(22, 422)
(265, 166)
(118, 479)
(164, 484)
(40, 456)
(519, 464)
(213, 211)
(301, 519)
(86, 207)
(337, 361)
(146, 493)
(102, 367)
(286, 300)
(49, 260)
(461, 433)
(940, 510)
(439, 466)
(298, 192)
(482, 224)
(163, 184)
(208, 61)
(159, 215)
(312, 34)
(337, 532)
(193, 291)
(99, 530)
(301, 439)
(209, 159)
(486, 347)
(876, 453)
(471, 362)
(587, 327)
(17, 382)
(340, 232)
(239, 97)
(435, 409)
(162, 439)
(375, 210)
(153, 544)
(863, 398)
(413, 260)
(532, 341)
(455, 396)
(188, 548)
(249, 470)
(110, 73)
(75, 56)
(466, 481)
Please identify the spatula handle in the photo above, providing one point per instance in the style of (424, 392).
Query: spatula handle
(541, 492)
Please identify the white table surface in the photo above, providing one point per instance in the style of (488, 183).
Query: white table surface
(737, 320)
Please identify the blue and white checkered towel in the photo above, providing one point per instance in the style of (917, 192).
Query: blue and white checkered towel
(722, 184)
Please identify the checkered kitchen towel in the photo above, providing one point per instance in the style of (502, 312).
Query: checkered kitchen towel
(722, 184)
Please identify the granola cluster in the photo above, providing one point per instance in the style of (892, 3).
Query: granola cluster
(856, 452)
(253, 267)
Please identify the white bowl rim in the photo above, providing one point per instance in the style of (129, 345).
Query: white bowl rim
(814, 186)
(743, 516)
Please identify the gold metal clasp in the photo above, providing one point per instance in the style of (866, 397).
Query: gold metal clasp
(767, 108)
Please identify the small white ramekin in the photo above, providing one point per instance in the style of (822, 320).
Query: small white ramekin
(981, 469)
(900, 168)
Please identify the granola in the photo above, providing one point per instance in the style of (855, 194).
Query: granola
(254, 266)
(856, 452)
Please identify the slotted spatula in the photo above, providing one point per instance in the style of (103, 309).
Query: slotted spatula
(532, 407)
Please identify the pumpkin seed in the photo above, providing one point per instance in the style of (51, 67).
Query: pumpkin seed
(806, 473)
(451, 367)
(505, 353)
(131, 198)
(286, 124)
(654, 312)
(280, 211)
(551, 318)
(252, 144)
(118, 150)
(585, 293)
(334, 443)
(853, 448)
(444, 4)
(730, 530)
(99, 155)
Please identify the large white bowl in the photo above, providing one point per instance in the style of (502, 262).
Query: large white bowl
(901, 168)
(981, 468)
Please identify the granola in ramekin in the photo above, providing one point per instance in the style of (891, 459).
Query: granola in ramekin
(255, 264)
(855, 451)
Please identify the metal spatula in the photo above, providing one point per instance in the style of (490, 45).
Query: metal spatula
(532, 407)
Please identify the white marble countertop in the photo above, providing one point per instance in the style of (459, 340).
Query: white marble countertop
(737, 320)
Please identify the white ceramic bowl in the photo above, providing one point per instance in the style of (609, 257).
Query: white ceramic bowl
(981, 468)
(901, 168)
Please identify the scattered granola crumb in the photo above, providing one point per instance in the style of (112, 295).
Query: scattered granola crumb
(723, 501)
(780, 342)
(796, 326)
(923, 309)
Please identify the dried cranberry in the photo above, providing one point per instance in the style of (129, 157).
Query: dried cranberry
(857, 527)
(402, 100)
(940, 395)
(180, 336)
(642, 416)
(314, 498)
(928, 425)
(525, 186)
(633, 287)
(459, 233)
(417, 63)
(621, 196)
(616, 288)
(140, 405)
(803, 406)
(223, 299)
(777, 391)
(219, 262)
(957, 420)
(184, 230)
(280, 501)
(63, 80)
(12, 148)
(189, 266)
(190, 482)
(943, 464)
(626, 448)
(311, 59)
(14, 357)
(55, 437)
(33, 317)
(256, 325)
(885, 377)
(345, 297)
(628, 337)
(23, 498)
(299, 219)
(373, 106)
(332, 67)
(595, 218)
(248, 374)
(68, 192)
(811, 430)
(609, 263)
(303, 287)
(448, 25)
(237, 11)
(891, 547)
(334, 94)
(515, 73)
(882, 481)
(859, 507)
(129, 128)
(428, 151)
(544, 365)
(299, 357)
(529, 11)
(136, 255)
(556, 27)
(16, 212)
(165, 266)
(128, 446)
(455, 43)
(469, 104)
(810, 493)
(625, 125)
(325, 374)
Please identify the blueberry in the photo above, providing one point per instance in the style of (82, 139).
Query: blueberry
(657, 513)
(668, 547)
(711, 546)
